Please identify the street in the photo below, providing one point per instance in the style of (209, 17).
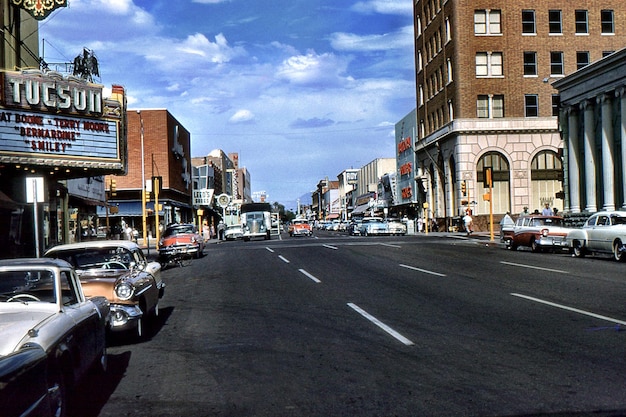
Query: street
(428, 325)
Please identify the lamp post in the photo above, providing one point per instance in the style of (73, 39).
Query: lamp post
(143, 186)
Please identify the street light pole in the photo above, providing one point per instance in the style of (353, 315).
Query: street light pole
(143, 186)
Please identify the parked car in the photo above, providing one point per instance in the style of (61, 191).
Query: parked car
(51, 335)
(119, 271)
(181, 238)
(603, 232)
(538, 232)
(233, 232)
(299, 227)
(374, 226)
(396, 227)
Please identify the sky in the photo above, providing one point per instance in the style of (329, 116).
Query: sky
(301, 89)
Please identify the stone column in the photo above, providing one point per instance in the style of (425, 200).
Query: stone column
(573, 160)
(590, 156)
(621, 93)
(608, 145)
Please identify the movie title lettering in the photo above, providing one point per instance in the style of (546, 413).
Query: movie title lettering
(46, 146)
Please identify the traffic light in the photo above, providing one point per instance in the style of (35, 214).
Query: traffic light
(147, 194)
(113, 187)
(464, 188)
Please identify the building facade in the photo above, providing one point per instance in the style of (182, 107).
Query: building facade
(593, 122)
(484, 97)
(159, 160)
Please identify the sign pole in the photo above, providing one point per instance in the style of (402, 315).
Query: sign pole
(36, 219)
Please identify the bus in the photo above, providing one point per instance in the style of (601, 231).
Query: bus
(256, 220)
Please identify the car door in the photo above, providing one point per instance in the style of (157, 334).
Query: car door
(602, 233)
(88, 334)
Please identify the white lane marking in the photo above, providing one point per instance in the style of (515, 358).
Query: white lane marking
(269, 249)
(331, 247)
(282, 258)
(534, 267)
(309, 276)
(422, 270)
(563, 307)
(380, 324)
(391, 246)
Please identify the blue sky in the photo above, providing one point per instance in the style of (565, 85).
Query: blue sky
(300, 89)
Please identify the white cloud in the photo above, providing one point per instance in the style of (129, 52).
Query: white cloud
(400, 7)
(242, 116)
(314, 69)
(351, 42)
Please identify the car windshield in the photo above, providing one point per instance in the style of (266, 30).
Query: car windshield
(546, 222)
(27, 285)
(91, 258)
(179, 230)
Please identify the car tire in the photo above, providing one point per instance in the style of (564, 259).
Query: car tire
(579, 250)
(618, 254)
(534, 247)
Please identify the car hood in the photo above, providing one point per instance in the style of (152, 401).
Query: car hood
(14, 326)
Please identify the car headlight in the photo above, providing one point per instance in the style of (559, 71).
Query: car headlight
(124, 291)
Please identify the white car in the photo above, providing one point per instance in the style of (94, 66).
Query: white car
(233, 232)
(603, 232)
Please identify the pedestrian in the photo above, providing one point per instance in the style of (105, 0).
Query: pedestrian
(434, 226)
(221, 227)
(128, 233)
(420, 225)
(468, 222)
(525, 212)
(547, 211)
(135, 235)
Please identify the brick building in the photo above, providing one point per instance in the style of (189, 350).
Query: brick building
(165, 153)
(484, 70)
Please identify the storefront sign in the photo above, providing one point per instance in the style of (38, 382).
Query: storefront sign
(406, 168)
(39, 91)
(51, 135)
(404, 144)
(203, 197)
(39, 9)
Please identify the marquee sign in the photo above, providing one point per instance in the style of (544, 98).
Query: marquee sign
(39, 9)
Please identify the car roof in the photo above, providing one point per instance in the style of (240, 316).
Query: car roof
(95, 244)
(34, 262)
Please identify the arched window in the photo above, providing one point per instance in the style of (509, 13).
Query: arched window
(501, 176)
(546, 174)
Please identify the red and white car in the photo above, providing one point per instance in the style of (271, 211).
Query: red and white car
(300, 227)
(539, 233)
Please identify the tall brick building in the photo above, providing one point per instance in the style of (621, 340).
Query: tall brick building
(484, 70)
(166, 154)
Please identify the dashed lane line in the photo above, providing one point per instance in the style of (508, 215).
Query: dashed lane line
(380, 324)
(311, 277)
(422, 270)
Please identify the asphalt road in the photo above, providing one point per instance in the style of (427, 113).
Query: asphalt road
(434, 325)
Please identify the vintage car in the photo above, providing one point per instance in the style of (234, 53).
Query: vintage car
(233, 232)
(374, 226)
(119, 271)
(181, 238)
(51, 336)
(396, 227)
(299, 227)
(354, 227)
(603, 232)
(538, 232)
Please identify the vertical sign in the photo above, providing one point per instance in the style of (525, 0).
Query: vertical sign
(35, 194)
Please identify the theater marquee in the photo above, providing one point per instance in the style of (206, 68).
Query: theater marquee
(47, 119)
(39, 9)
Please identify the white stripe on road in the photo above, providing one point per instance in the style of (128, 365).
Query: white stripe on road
(269, 249)
(422, 270)
(380, 324)
(309, 276)
(282, 258)
(575, 310)
(534, 267)
(331, 247)
(391, 246)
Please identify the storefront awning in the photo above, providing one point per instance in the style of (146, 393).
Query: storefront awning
(361, 209)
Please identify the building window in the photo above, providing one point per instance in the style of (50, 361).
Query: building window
(556, 63)
(528, 22)
(530, 63)
(606, 53)
(420, 64)
(487, 22)
(555, 25)
(448, 30)
(546, 174)
(489, 64)
(582, 21)
(500, 176)
(556, 104)
(449, 64)
(582, 59)
(531, 105)
(607, 23)
(490, 106)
